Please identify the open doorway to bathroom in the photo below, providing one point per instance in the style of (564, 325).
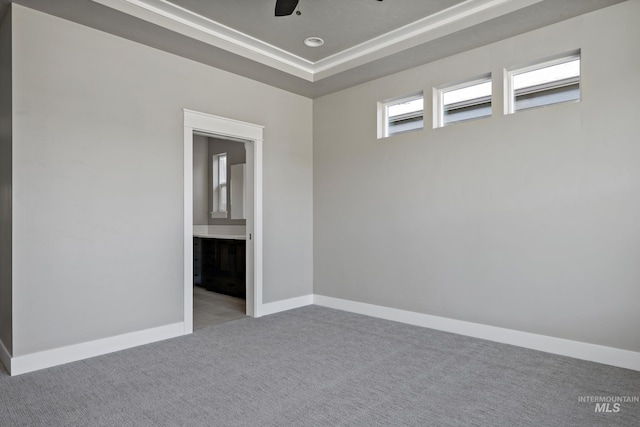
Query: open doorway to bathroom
(219, 230)
(249, 138)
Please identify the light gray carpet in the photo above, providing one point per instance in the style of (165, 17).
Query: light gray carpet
(319, 367)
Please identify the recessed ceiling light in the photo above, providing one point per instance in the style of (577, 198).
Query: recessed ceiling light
(313, 41)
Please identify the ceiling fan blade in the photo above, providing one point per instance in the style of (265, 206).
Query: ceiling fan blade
(285, 7)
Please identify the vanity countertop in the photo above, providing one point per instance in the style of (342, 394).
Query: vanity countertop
(220, 236)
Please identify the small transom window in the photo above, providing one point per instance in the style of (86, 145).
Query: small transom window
(546, 83)
(461, 102)
(401, 115)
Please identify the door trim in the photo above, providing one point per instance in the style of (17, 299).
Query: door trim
(251, 134)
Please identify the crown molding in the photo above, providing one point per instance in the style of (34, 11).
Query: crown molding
(191, 24)
(429, 28)
(440, 24)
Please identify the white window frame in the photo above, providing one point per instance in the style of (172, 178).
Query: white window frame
(438, 98)
(219, 209)
(383, 113)
(509, 86)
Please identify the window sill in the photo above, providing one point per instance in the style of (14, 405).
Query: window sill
(218, 215)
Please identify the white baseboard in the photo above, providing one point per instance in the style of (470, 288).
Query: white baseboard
(5, 356)
(59, 356)
(576, 349)
(284, 305)
(579, 350)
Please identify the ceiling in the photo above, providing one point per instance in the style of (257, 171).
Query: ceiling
(332, 20)
(364, 39)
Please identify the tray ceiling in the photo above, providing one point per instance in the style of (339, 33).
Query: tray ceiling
(342, 24)
(365, 39)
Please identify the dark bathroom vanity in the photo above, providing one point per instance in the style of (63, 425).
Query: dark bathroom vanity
(219, 265)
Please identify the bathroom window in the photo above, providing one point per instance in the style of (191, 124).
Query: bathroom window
(400, 115)
(545, 83)
(461, 102)
(219, 186)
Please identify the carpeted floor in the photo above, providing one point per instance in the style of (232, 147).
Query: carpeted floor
(319, 367)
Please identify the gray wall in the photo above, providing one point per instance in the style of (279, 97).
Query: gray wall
(528, 221)
(236, 154)
(201, 181)
(5, 181)
(98, 171)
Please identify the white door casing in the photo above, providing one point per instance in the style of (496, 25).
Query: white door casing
(251, 134)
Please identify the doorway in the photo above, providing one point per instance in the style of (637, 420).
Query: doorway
(219, 230)
(251, 135)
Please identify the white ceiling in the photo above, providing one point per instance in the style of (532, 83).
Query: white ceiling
(365, 39)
